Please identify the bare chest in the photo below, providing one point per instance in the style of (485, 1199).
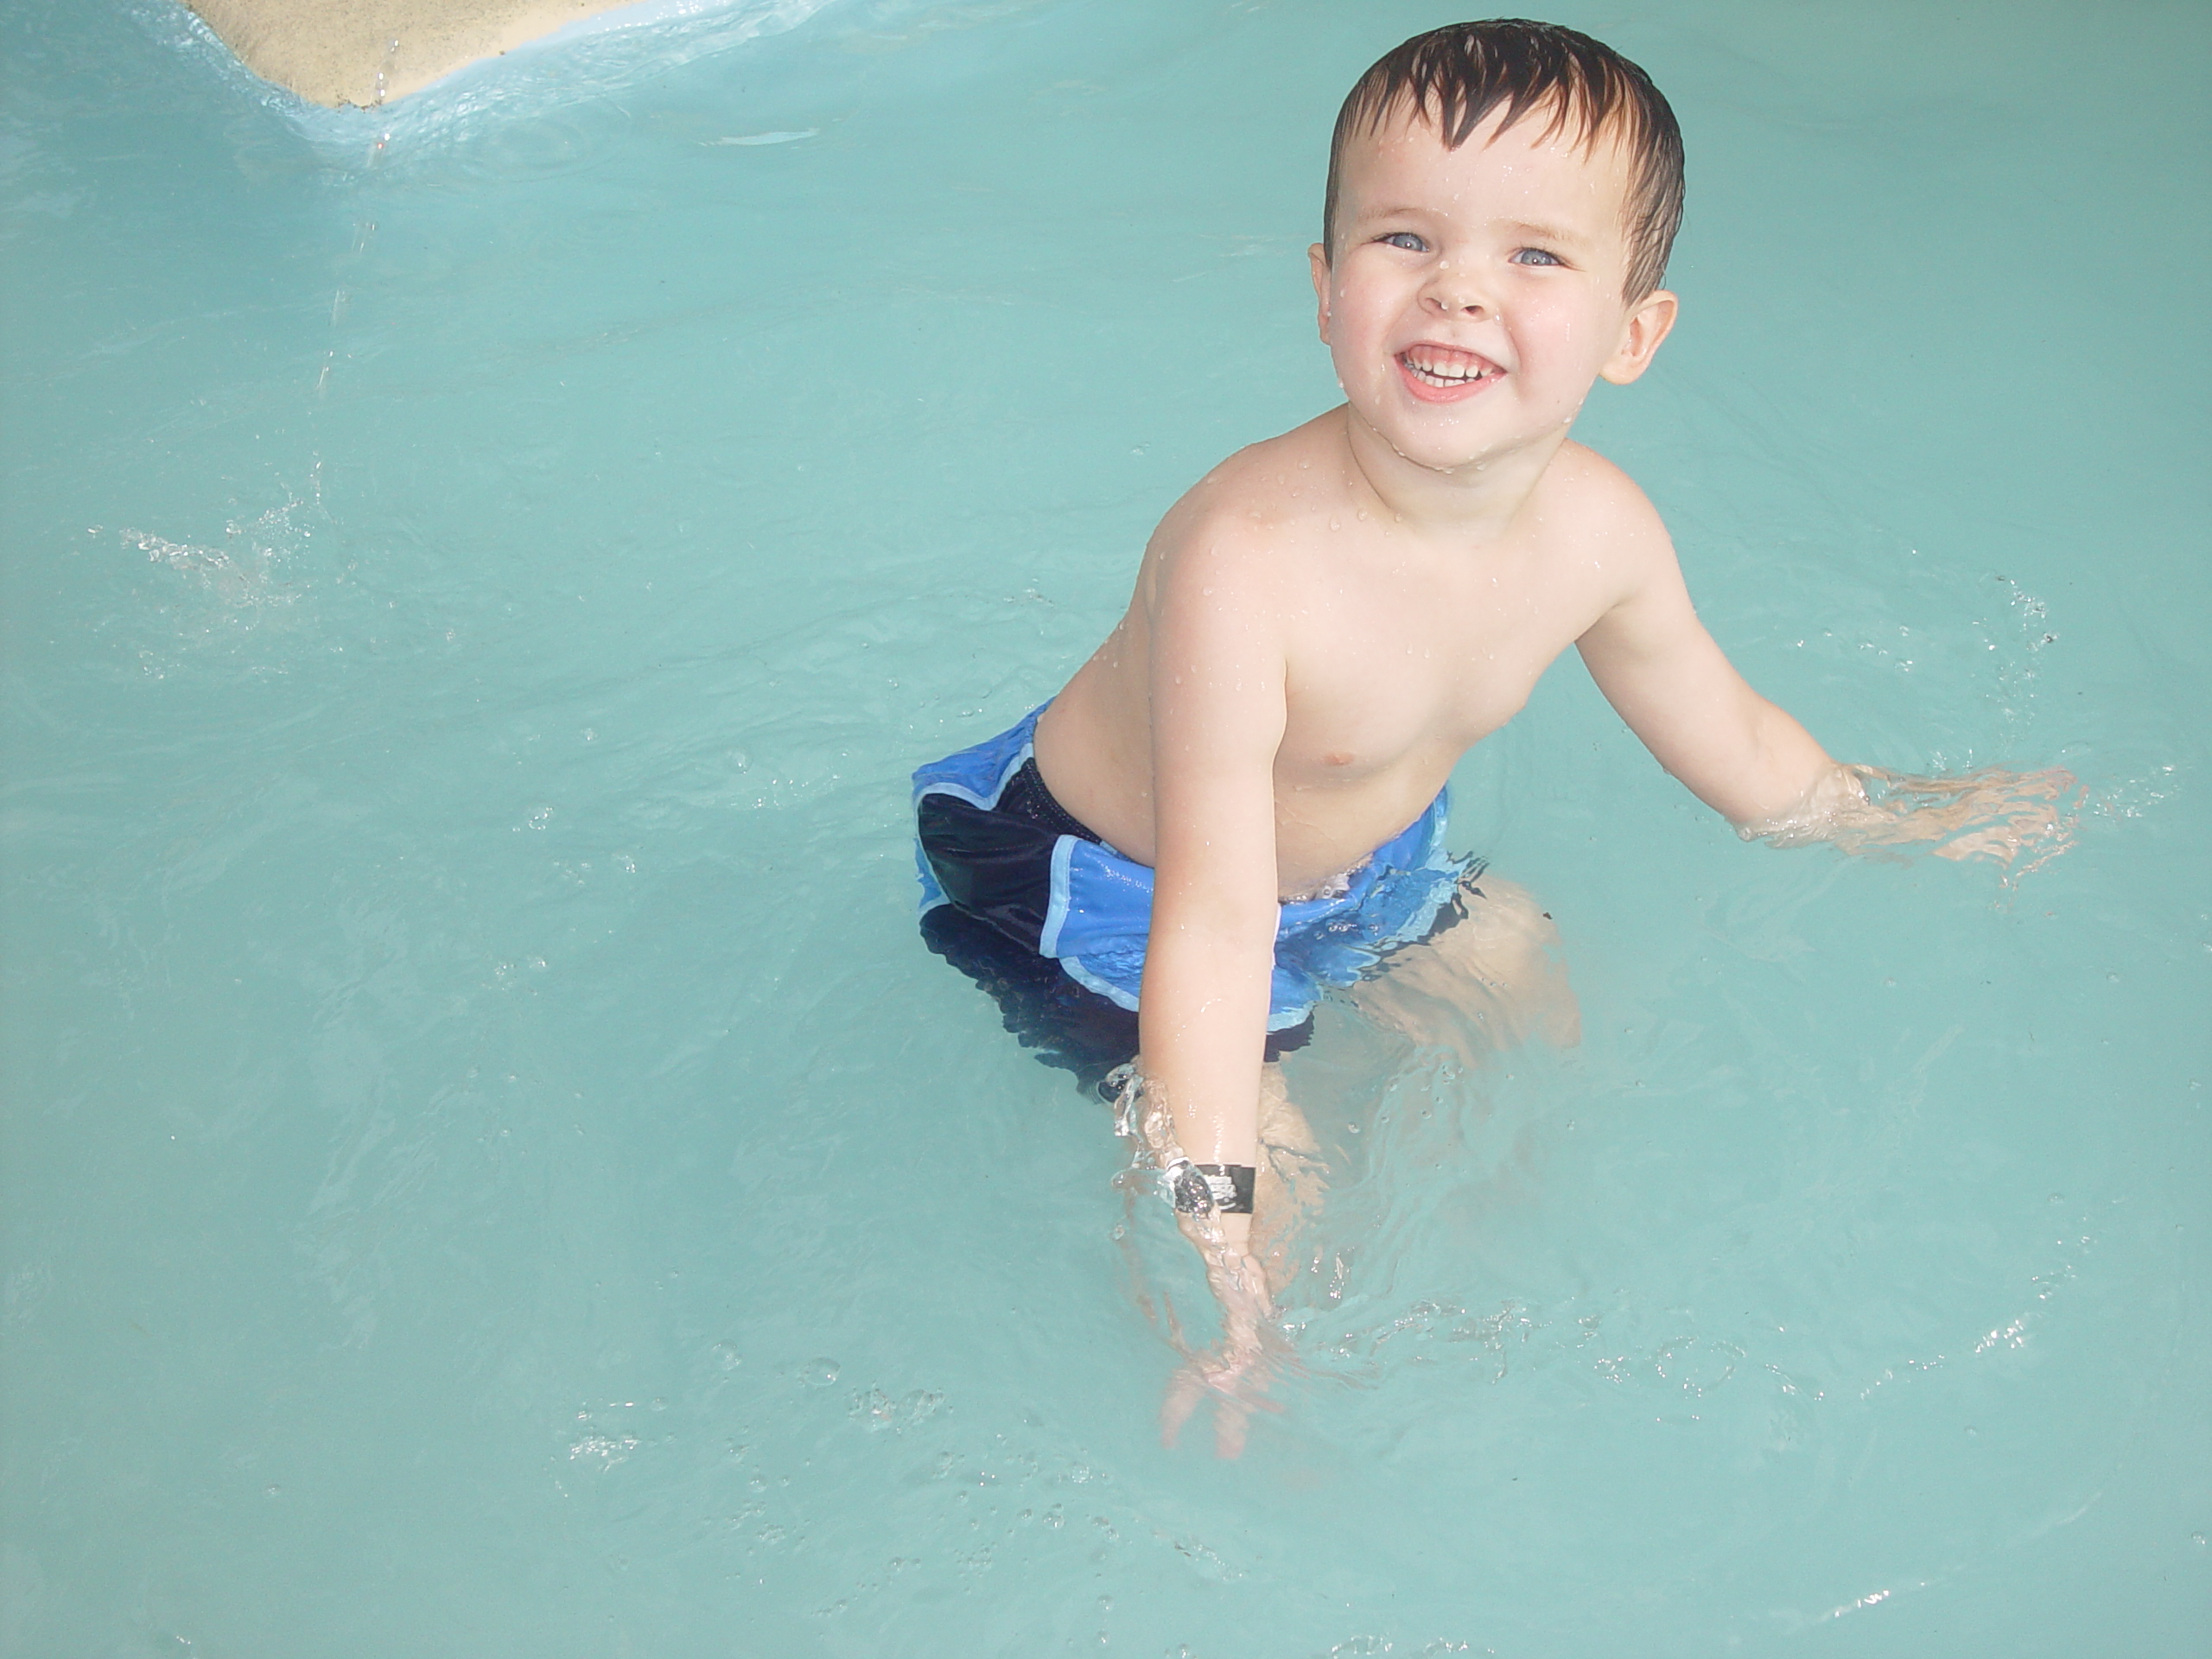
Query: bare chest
(1407, 676)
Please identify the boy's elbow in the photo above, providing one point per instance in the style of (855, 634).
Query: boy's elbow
(1233, 923)
(1241, 914)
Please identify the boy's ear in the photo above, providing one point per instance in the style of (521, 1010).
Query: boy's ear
(1317, 257)
(1649, 323)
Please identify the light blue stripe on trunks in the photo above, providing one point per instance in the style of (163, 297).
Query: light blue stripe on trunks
(1101, 908)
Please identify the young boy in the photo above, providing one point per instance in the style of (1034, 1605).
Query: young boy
(1239, 799)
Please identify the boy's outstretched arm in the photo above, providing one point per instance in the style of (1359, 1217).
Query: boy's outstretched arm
(1748, 760)
(1665, 676)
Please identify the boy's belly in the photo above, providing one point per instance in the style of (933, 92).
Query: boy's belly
(1332, 809)
(1323, 830)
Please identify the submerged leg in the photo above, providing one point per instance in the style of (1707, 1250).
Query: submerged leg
(1290, 1179)
(1488, 979)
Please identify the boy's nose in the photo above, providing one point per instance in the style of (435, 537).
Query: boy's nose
(1456, 301)
(1456, 293)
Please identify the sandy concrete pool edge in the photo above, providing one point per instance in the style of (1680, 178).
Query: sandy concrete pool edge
(368, 52)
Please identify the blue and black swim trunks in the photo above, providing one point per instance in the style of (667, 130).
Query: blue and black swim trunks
(1052, 921)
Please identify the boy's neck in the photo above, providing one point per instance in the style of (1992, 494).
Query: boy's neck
(1477, 501)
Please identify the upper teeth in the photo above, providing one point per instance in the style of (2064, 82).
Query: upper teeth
(1457, 374)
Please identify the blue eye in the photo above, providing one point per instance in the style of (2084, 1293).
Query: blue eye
(1405, 239)
(1534, 257)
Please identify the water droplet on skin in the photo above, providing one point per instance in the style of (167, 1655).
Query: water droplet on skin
(819, 1373)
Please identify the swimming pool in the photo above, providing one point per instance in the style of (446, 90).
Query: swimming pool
(489, 1167)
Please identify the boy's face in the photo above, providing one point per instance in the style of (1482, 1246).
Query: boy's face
(1476, 293)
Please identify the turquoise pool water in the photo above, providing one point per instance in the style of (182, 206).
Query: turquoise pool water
(489, 1167)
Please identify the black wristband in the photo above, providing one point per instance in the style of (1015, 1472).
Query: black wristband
(1210, 1189)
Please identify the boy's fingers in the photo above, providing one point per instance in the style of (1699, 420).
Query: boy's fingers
(1183, 1391)
(1228, 1423)
(1237, 1379)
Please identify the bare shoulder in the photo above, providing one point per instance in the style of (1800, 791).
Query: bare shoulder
(1237, 522)
(1585, 498)
(1276, 481)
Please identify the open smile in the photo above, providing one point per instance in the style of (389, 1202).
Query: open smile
(1445, 374)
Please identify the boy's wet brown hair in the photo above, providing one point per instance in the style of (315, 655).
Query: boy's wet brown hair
(1457, 76)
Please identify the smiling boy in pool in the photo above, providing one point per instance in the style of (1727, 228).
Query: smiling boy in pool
(1239, 799)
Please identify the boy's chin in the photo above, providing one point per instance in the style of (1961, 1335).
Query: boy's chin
(1450, 452)
(1459, 442)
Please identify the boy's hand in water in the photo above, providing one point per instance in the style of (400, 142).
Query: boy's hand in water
(1991, 814)
(1236, 1373)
